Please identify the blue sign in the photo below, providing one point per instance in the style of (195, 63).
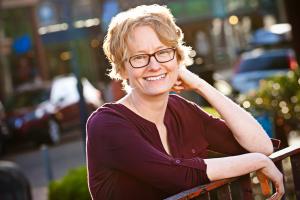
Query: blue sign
(265, 121)
(110, 9)
(22, 44)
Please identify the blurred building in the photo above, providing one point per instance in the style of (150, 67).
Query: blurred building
(216, 29)
(56, 18)
(45, 24)
(18, 43)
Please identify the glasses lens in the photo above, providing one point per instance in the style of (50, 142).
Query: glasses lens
(139, 60)
(165, 55)
(161, 56)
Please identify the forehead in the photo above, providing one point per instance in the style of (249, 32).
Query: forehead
(143, 39)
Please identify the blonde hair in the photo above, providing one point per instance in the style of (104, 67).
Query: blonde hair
(159, 18)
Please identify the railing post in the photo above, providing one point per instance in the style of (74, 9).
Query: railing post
(246, 188)
(295, 161)
(224, 192)
(280, 168)
(205, 196)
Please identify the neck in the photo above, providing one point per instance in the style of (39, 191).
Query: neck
(152, 108)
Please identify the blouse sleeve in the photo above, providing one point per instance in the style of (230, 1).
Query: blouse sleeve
(217, 134)
(117, 144)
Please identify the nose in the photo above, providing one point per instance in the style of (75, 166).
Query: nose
(153, 64)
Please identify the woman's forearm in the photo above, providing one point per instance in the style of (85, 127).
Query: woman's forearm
(227, 167)
(245, 128)
(220, 168)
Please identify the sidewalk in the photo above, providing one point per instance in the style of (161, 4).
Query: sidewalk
(64, 156)
(39, 193)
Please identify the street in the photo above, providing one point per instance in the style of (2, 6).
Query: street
(64, 156)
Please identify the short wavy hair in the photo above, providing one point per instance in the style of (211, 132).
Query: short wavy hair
(159, 18)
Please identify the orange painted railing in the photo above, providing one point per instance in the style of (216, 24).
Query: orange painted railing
(240, 187)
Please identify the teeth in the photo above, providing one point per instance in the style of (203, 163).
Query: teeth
(155, 78)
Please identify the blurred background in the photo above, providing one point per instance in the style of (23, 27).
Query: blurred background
(53, 72)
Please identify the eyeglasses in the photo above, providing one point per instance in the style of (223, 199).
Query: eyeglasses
(161, 56)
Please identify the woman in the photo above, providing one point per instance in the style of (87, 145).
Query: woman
(149, 144)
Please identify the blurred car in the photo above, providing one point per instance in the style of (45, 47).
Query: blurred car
(41, 114)
(259, 64)
(21, 118)
(64, 100)
(4, 133)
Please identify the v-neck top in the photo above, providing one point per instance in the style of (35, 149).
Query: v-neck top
(126, 158)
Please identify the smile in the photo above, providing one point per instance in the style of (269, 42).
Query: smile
(155, 78)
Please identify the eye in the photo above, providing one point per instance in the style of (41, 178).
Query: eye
(139, 57)
(164, 52)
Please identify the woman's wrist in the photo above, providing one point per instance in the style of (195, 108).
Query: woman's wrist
(203, 88)
(263, 160)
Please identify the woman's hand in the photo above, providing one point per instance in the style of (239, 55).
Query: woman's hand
(271, 172)
(233, 166)
(187, 80)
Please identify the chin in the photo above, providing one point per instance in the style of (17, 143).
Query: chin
(157, 91)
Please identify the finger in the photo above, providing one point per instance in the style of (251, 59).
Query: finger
(280, 186)
(175, 89)
(275, 196)
(178, 83)
(280, 190)
(178, 88)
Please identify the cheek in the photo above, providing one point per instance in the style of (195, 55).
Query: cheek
(128, 70)
(174, 66)
(134, 73)
(174, 69)
(176, 74)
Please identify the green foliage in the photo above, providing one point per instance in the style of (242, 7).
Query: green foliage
(211, 111)
(279, 96)
(73, 186)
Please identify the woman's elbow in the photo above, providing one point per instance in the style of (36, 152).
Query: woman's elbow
(265, 147)
(268, 148)
(266, 144)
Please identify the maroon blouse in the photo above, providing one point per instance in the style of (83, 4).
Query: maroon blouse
(126, 159)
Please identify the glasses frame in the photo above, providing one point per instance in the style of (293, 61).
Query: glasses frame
(153, 54)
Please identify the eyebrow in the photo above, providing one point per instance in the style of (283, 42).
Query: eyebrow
(144, 52)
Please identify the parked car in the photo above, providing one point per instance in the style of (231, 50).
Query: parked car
(63, 102)
(259, 64)
(41, 114)
(21, 116)
(4, 133)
